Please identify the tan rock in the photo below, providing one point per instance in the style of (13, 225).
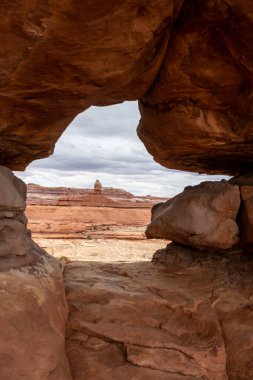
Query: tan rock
(203, 216)
(12, 191)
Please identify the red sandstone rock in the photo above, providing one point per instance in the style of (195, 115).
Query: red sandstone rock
(203, 216)
(197, 114)
(246, 223)
(72, 213)
(12, 191)
(190, 64)
(245, 217)
(79, 221)
(190, 319)
(32, 299)
(59, 58)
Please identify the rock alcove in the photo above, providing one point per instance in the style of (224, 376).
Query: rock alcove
(189, 63)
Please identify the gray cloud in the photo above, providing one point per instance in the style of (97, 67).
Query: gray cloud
(102, 143)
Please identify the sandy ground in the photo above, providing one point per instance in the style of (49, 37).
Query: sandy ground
(109, 250)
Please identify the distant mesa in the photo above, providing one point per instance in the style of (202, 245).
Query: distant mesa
(98, 196)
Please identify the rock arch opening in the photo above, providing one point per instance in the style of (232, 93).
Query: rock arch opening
(190, 65)
(102, 142)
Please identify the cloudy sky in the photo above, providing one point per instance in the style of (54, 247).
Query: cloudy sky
(102, 143)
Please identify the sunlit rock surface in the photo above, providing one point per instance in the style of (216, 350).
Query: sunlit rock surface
(187, 317)
(202, 216)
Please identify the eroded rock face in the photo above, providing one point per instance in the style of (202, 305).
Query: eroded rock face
(203, 216)
(59, 58)
(189, 62)
(32, 318)
(190, 319)
(32, 298)
(197, 115)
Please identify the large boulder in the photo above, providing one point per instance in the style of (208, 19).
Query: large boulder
(203, 216)
(32, 297)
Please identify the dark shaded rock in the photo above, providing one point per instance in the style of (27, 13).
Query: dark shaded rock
(59, 58)
(197, 115)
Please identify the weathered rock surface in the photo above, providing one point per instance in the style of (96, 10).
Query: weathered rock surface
(202, 216)
(12, 191)
(59, 58)
(190, 63)
(33, 309)
(191, 319)
(32, 318)
(197, 115)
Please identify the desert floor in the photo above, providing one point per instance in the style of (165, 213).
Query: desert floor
(102, 250)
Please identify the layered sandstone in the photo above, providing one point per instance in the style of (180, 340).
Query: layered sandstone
(71, 196)
(74, 213)
(32, 297)
(81, 222)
